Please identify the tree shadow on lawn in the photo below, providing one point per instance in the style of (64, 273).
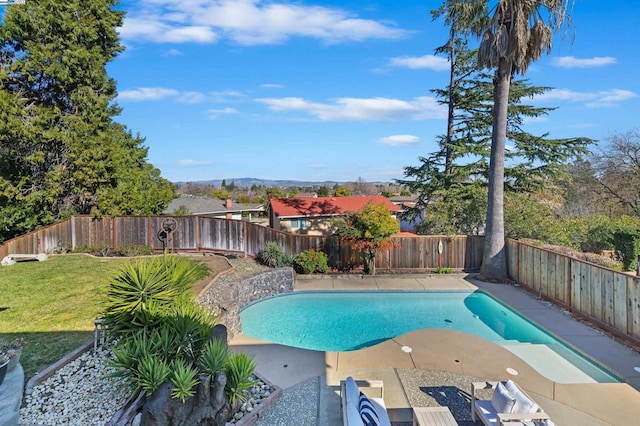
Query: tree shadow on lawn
(43, 349)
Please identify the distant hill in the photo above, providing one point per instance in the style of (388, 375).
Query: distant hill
(247, 182)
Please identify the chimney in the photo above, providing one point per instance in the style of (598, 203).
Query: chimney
(228, 204)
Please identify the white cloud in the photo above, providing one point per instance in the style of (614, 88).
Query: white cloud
(572, 62)
(360, 109)
(271, 86)
(431, 62)
(215, 113)
(194, 163)
(227, 96)
(160, 93)
(191, 97)
(601, 99)
(173, 52)
(611, 97)
(155, 30)
(397, 140)
(248, 22)
(147, 94)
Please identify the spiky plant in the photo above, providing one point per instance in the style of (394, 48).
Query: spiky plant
(184, 378)
(214, 357)
(152, 372)
(239, 376)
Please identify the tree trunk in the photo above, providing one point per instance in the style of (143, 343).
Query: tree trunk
(494, 265)
(369, 263)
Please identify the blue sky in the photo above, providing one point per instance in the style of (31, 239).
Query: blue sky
(334, 90)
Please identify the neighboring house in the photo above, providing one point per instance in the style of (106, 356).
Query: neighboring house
(407, 202)
(312, 216)
(213, 207)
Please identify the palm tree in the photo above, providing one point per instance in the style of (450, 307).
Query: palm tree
(517, 35)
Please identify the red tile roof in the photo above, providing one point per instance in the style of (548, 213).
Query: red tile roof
(325, 206)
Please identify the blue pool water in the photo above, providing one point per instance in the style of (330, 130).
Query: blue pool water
(344, 321)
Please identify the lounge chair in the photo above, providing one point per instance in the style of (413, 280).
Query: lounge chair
(358, 409)
(508, 404)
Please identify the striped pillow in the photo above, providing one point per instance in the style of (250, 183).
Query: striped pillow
(367, 411)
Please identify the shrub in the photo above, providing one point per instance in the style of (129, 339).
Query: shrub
(311, 261)
(184, 379)
(444, 270)
(214, 357)
(626, 242)
(272, 255)
(239, 376)
(163, 334)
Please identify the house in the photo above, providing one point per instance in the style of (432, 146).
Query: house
(213, 207)
(312, 216)
(406, 203)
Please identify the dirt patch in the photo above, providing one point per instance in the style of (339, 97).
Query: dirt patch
(216, 264)
(222, 268)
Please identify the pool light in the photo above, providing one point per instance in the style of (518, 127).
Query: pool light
(406, 349)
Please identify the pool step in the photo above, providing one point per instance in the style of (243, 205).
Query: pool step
(548, 362)
(514, 343)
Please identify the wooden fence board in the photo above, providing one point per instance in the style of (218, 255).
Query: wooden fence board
(620, 296)
(634, 308)
(608, 303)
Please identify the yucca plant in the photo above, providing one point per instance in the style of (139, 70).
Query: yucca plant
(183, 272)
(152, 372)
(239, 377)
(214, 357)
(129, 353)
(163, 343)
(142, 292)
(191, 326)
(184, 378)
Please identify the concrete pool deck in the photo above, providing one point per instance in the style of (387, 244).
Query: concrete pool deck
(459, 354)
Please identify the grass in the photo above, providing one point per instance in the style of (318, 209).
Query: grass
(53, 304)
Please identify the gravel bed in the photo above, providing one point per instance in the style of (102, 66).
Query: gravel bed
(298, 405)
(82, 393)
(426, 388)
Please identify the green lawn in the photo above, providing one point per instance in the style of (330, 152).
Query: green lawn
(53, 304)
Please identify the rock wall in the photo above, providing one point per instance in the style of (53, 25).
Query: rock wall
(226, 298)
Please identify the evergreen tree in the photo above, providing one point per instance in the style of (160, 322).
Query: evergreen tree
(61, 152)
(451, 183)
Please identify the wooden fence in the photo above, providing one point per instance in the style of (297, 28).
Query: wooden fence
(610, 297)
(607, 296)
(201, 233)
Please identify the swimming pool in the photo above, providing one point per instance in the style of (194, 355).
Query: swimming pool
(344, 321)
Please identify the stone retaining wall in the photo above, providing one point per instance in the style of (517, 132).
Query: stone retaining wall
(227, 298)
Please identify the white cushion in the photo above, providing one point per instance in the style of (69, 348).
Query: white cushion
(523, 404)
(502, 401)
(353, 415)
(352, 393)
